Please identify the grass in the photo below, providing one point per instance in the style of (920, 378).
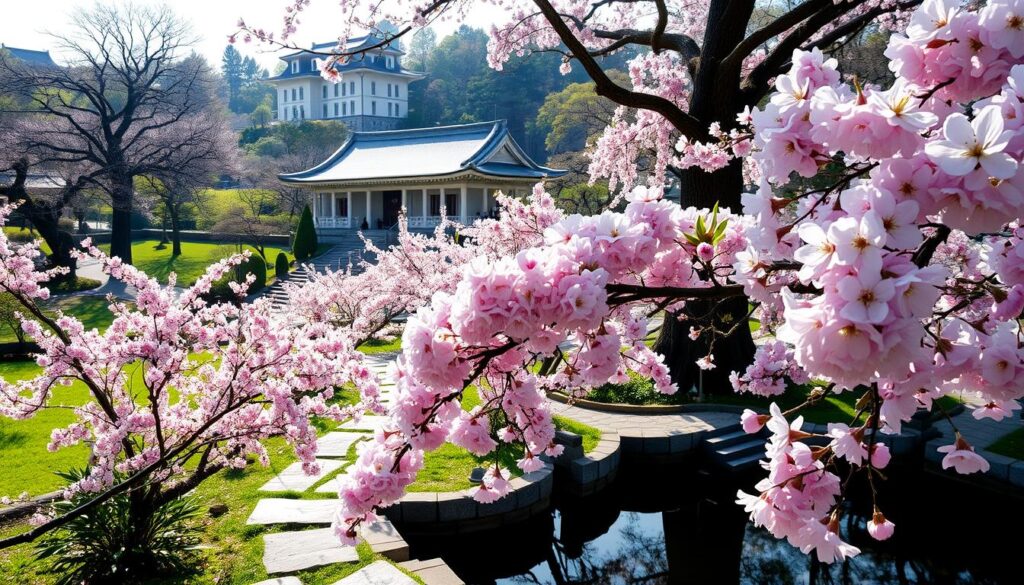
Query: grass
(17, 234)
(382, 345)
(24, 441)
(80, 284)
(156, 259)
(1010, 445)
(91, 310)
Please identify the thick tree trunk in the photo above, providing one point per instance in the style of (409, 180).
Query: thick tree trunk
(122, 190)
(173, 212)
(732, 353)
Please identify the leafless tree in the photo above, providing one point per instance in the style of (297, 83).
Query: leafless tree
(128, 104)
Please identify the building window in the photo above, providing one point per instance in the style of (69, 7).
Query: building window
(373, 88)
(324, 92)
(352, 107)
(312, 64)
(335, 90)
(295, 66)
(373, 108)
(352, 88)
(389, 90)
(451, 204)
(396, 111)
(344, 108)
(396, 90)
(344, 86)
(342, 206)
(302, 112)
(295, 112)
(302, 92)
(335, 109)
(391, 62)
(325, 110)
(284, 95)
(435, 204)
(293, 94)
(389, 110)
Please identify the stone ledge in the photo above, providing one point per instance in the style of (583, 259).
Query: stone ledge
(621, 408)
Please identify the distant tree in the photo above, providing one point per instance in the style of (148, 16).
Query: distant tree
(231, 68)
(253, 219)
(423, 43)
(305, 243)
(262, 115)
(570, 118)
(127, 106)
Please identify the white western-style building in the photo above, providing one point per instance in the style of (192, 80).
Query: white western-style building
(374, 175)
(373, 93)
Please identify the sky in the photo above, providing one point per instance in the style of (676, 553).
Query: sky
(25, 23)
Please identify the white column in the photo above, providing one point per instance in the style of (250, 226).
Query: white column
(485, 210)
(426, 207)
(462, 204)
(334, 208)
(369, 210)
(403, 202)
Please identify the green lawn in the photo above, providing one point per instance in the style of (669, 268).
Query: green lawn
(382, 345)
(157, 261)
(1010, 444)
(24, 441)
(90, 309)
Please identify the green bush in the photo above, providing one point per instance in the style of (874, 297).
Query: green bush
(305, 243)
(221, 290)
(638, 390)
(69, 286)
(121, 543)
(281, 265)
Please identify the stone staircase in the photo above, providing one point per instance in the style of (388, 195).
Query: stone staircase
(731, 448)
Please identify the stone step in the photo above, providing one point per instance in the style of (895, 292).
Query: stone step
(289, 511)
(745, 463)
(433, 572)
(725, 440)
(377, 573)
(337, 444)
(368, 422)
(281, 581)
(305, 549)
(293, 478)
(740, 450)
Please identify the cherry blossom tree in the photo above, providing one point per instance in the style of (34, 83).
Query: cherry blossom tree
(895, 275)
(178, 388)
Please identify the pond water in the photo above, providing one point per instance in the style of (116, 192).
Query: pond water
(654, 526)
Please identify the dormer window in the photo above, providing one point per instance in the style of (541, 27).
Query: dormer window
(391, 62)
(312, 64)
(295, 66)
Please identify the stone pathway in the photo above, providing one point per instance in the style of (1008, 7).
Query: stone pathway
(652, 434)
(294, 479)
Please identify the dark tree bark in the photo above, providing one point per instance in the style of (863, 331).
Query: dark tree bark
(121, 193)
(45, 218)
(174, 214)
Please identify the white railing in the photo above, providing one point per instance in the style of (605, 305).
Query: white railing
(333, 222)
(419, 221)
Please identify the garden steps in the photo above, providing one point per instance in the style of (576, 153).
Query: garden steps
(734, 449)
(299, 550)
(377, 573)
(292, 478)
(433, 572)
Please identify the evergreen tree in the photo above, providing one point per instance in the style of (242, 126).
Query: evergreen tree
(305, 243)
(231, 67)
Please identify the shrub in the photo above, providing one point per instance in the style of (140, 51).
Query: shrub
(305, 243)
(69, 286)
(121, 541)
(281, 265)
(221, 290)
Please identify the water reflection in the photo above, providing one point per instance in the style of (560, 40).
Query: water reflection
(682, 530)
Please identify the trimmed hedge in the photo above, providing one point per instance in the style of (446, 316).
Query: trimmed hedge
(305, 243)
(281, 265)
(221, 291)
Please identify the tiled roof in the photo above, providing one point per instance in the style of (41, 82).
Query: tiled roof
(41, 58)
(485, 148)
(358, 62)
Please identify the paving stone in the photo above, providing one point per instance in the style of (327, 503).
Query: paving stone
(292, 478)
(304, 549)
(377, 573)
(384, 539)
(337, 444)
(331, 486)
(286, 511)
(281, 581)
(419, 507)
(457, 506)
(433, 572)
(369, 422)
